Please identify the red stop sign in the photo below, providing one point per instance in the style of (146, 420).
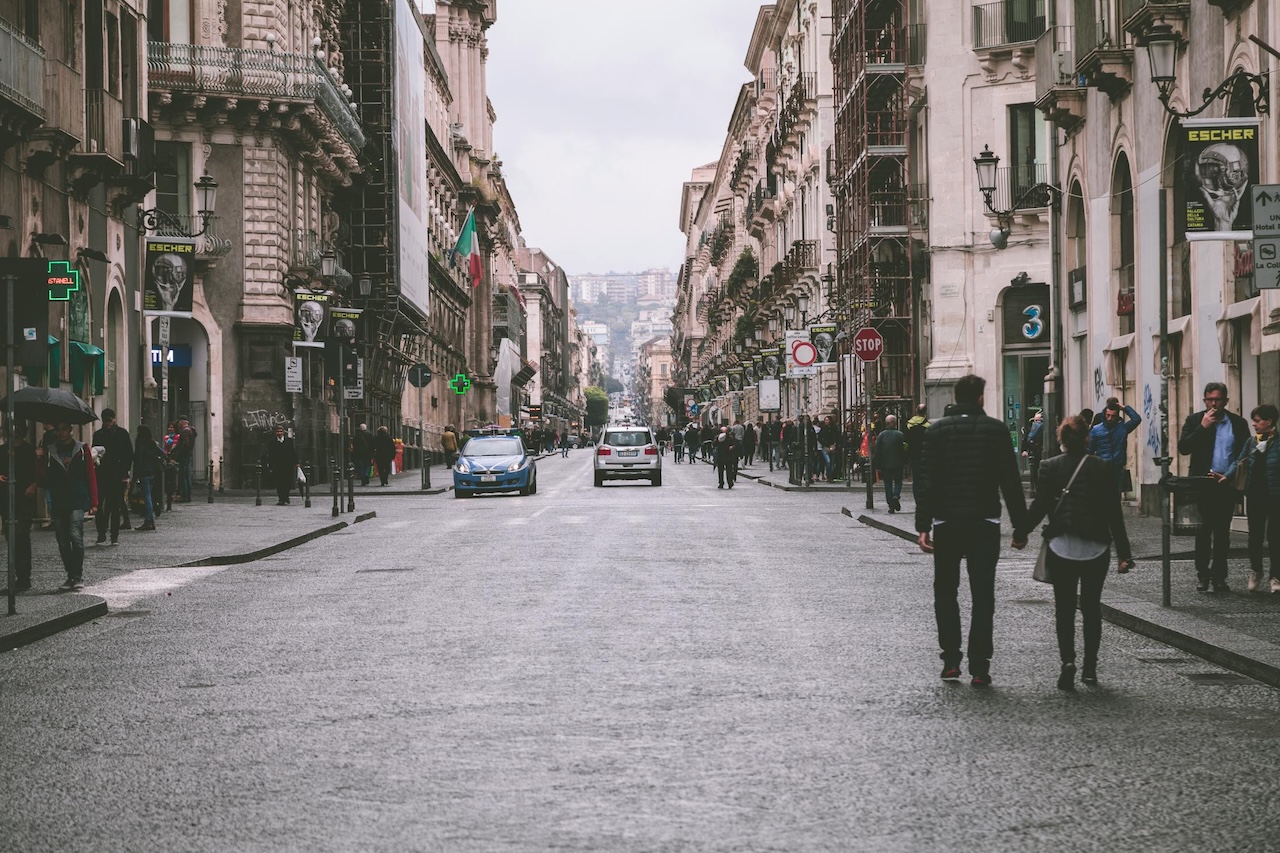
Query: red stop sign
(868, 344)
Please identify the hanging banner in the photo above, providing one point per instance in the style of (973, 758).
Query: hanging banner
(770, 363)
(823, 338)
(770, 395)
(166, 277)
(310, 318)
(720, 385)
(749, 374)
(1219, 165)
(735, 379)
(343, 323)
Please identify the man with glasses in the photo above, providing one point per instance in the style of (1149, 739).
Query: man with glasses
(1213, 438)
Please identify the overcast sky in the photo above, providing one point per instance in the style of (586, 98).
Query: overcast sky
(604, 108)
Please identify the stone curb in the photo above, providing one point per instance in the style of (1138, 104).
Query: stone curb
(1221, 646)
(237, 559)
(85, 608)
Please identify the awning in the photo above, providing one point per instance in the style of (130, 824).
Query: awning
(525, 373)
(83, 358)
(1179, 341)
(1117, 358)
(1227, 329)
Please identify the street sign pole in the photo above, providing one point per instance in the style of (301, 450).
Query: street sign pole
(11, 484)
(422, 440)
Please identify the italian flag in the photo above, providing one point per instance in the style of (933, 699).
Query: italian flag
(468, 247)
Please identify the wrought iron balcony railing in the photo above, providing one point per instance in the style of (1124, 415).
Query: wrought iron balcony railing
(209, 245)
(1013, 183)
(1007, 22)
(103, 133)
(245, 73)
(305, 251)
(22, 70)
(802, 256)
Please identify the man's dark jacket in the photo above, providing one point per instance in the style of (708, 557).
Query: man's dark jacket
(118, 460)
(1198, 441)
(890, 453)
(968, 464)
(282, 458)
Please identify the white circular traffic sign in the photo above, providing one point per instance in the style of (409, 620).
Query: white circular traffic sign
(803, 353)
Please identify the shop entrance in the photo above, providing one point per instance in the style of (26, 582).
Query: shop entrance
(1023, 392)
(1026, 314)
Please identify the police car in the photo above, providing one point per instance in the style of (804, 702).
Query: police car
(494, 460)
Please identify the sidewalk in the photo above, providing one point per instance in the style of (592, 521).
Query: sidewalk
(1237, 630)
(231, 530)
(403, 483)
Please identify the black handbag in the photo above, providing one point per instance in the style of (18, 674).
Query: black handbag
(1041, 571)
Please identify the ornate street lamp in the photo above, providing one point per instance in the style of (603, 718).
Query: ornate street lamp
(1162, 44)
(1036, 195)
(154, 219)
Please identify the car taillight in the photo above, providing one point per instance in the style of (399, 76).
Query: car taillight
(604, 451)
(651, 451)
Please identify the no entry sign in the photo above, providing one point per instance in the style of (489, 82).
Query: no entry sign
(868, 344)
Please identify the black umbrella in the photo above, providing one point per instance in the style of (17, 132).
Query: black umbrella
(49, 406)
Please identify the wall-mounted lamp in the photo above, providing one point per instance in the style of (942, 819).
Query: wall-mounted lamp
(1162, 44)
(156, 220)
(365, 284)
(48, 239)
(93, 255)
(1036, 195)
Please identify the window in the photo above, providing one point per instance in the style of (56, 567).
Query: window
(173, 178)
(1026, 140)
(169, 21)
(113, 55)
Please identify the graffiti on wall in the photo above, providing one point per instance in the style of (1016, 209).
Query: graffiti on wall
(261, 419)
(1097, 386)
(1150, 416)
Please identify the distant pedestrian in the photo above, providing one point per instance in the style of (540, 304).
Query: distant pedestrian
(1085, 518)
(1109, 440)
(448, 443)
(282, 460)
(1033, 449)
(184, 455)
(691, 442)
(748, 443)
(148, 464)
(1260, 457)
(384, 451)
(968, 464)
(24, 483)
(66, 470)
(916, 431)
(677, 443)
(1214, 439)
(828, 444)
(564, 444)
(113, 476)
(889, 457)
(364, 453)
(725, 449)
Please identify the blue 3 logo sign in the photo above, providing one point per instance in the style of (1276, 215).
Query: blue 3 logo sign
(1034, 327)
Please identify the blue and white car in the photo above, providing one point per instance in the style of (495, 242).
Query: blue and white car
(494, 461)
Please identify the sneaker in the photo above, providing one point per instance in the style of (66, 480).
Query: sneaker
(102, 539)
(1221, 586)
(981, 679)
(1202, 586)
(1275, 585)
(1255, 580)
(68, 585)
(1089, 672)
(1066, 678)
(950, 673)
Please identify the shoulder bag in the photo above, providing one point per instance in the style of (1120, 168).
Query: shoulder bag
(1041, 571)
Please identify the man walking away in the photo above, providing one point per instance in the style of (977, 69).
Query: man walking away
(677, 442)
(1213, 439)
(364, 453)
(282, 459)
(384, 451)
(968, 463)
(1109, 440)
(148, 463)
(184, 455)
(66, 470)
(691, 442)
(24, 481)
(725, 450)
(890, 455)
(113, 475)
(748, 443)
(448, 443)
(917, 426)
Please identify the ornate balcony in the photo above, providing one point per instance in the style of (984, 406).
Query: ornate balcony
(209, 246)
(250, 88)
(21, 80)
(1059, 94)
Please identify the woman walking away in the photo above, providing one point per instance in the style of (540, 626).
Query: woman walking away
(1260, 457)
(148, 462)
(1078, 495)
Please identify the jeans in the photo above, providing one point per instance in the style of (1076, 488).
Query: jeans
(1214, 539)
(184, 479)
(150, 509)
(1264, 526)
(1088, 576)
(68, 526)
(978, 544)
(679, 453)
(892, 486)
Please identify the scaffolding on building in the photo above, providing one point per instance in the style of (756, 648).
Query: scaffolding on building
(870, 53)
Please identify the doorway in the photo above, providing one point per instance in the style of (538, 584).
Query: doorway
(1023, 392)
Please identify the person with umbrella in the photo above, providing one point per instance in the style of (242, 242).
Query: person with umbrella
(66, 470)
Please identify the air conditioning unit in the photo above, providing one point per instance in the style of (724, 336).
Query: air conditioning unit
(129, 134)
(1064, 67)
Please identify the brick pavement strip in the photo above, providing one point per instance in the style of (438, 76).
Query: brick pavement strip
(230, 531)
(1236, 630)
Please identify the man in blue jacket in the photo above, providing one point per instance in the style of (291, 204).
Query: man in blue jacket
(1109, 440)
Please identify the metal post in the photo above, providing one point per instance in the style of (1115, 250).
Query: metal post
(210, 481)
(306, 487)
(11, 487)
(422, 441)
(222, 476)
(1166, 570)
(257, 498)
(868, 470)
(351, 487)
(333, 484)
(342, 419)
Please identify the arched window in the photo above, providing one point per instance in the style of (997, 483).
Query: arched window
(1122, 244)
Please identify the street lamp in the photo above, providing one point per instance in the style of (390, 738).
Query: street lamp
(1162, 44)
(1037, 195)
(155, 219)
(802, 302)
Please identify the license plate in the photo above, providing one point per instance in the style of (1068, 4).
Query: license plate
(628, 452)
(488, 478)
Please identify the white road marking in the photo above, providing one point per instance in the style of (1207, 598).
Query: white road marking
(123, 590)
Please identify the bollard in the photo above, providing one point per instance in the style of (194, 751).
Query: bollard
(222, 476)
(168, 495)
(334, 479)
(351, 487)
(210, 481)
(257, 498)
(426, 472)
(306, 487)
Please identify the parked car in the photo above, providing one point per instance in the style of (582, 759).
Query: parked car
(627, 453)
(494, 461)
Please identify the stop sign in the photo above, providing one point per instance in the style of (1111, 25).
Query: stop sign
(868, 344)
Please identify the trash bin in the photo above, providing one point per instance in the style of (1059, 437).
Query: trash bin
(1185, 494)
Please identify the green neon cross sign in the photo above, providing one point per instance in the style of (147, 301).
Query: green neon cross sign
(460, 383)
(63, 281)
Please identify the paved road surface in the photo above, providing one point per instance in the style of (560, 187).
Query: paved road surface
(622, 668)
